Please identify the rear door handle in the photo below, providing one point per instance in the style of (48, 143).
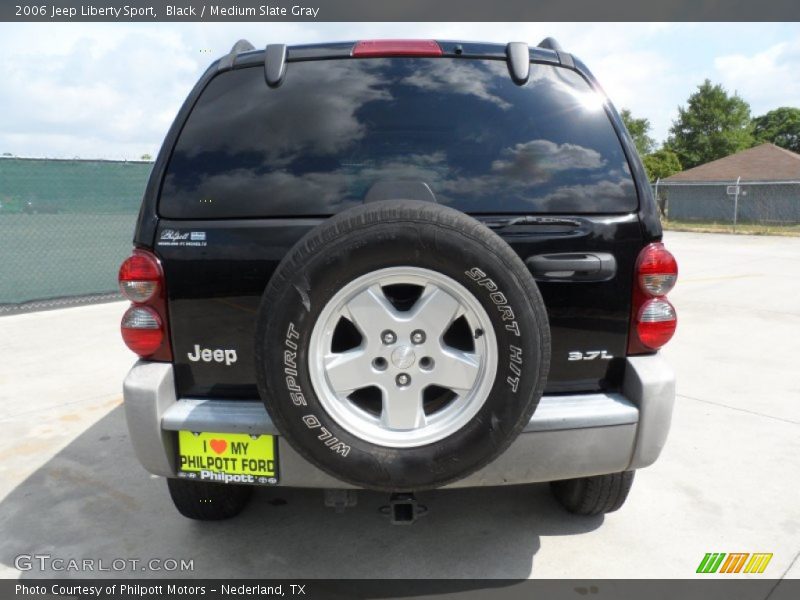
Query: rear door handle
(573, 266)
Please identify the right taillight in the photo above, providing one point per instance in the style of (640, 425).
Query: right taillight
(653, 317)
(656, 270)
(144, 324)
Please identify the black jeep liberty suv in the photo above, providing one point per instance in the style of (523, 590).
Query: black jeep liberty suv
(397, 265)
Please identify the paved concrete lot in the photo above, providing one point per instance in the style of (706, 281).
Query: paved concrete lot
(726, 482)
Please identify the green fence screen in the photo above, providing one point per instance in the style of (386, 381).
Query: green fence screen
(65, 227)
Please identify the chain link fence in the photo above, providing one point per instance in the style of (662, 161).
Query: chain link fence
(746, 206)
(65, 227)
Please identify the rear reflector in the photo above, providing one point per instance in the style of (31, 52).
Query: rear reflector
(656, 323)
(142, 330)
(377, 48)
(139, 276)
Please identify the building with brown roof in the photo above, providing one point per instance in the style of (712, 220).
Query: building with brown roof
(760, 184)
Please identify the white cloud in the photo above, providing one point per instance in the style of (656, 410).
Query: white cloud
(577, 197)
(92, 91)
(766, 79)
(305, 121)
(111, 90)
(469, 80)
(537, 160)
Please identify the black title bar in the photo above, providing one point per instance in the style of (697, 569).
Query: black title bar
(399, 10)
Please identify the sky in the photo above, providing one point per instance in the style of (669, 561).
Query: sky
(111, 90)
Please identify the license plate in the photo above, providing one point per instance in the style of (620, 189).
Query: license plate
(228, 457)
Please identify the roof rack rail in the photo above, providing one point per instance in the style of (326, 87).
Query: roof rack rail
(242, 46)
(549, 43)
(226, 62)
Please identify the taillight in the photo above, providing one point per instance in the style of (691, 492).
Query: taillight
(656, 322)
(142, 330)
(653, 317)
(657, 270)
(145, 325)
(379, 48)
(139, 276)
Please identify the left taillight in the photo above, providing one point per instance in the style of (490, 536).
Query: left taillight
(140, 276)
(653, 318)
(144, 325)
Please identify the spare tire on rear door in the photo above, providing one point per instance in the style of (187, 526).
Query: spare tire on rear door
(401, 345)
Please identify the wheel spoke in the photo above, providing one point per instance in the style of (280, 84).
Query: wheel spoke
(435, 310)
(456, 370)
(371, 310)
(402, 409)
(347, 371)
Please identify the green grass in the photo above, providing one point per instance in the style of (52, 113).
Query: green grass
(743, 228)
(47, 256)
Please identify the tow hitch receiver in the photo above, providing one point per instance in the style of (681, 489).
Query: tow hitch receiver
(404, 509)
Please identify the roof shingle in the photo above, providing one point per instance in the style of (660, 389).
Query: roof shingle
(766, 162)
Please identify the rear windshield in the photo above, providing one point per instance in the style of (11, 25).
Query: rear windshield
(333, 129)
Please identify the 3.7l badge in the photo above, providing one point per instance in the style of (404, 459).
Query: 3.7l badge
(590, 355)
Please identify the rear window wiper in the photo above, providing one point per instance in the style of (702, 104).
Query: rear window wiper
(503, 222)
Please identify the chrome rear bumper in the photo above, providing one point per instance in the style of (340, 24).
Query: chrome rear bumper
(569, 435)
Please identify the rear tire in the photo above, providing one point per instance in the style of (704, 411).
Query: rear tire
(596, 495)
(205, 501)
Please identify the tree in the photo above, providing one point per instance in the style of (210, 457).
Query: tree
(146, 157)
(661, 163)
(780, 126)
(712, 125)
(639, 130)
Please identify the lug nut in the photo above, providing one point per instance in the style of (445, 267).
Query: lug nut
(418, 336)
(388, 337)
(403, 379)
